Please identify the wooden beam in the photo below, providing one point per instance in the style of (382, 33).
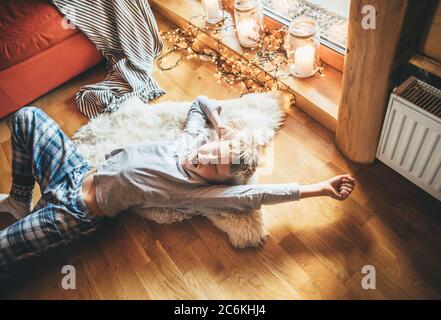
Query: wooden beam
(431, 44)
(369, 61)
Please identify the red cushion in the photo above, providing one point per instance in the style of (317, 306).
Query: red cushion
(28, 27)
(26, 81)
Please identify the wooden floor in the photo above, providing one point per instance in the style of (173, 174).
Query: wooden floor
(316, 248)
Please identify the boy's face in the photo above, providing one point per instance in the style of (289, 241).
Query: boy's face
(211, 161)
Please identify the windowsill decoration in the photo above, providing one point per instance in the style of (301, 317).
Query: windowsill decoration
(257, 70)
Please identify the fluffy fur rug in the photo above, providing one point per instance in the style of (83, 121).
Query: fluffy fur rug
(134, 122)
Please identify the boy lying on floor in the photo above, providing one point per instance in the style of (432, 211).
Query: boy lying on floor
(189, 175)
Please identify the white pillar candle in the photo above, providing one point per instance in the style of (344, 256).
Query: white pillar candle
(304, 61)
(248, 33)
(212, 9)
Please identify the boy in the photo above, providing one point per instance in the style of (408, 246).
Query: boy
(189, 175)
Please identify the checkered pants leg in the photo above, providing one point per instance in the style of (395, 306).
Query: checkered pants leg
(41, 151)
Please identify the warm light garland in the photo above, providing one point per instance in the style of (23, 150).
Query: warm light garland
(247, 68)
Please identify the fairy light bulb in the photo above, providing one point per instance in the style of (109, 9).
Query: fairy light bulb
(244, 71)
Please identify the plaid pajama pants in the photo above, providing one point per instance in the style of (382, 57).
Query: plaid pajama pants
(42, 152)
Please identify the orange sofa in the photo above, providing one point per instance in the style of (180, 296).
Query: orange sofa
(38, 52)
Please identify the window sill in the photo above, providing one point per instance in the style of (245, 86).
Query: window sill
(319, 96)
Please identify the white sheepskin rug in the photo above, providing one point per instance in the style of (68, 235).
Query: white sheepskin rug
(137, 122)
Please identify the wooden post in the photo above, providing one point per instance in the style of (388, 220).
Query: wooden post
(368, 65)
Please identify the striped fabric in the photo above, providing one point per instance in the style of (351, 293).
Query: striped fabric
(126, 33)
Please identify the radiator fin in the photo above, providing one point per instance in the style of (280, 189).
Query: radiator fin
(424, 96)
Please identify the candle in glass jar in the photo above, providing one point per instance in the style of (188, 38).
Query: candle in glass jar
(213, 10)
(304, 61)
(248, 32)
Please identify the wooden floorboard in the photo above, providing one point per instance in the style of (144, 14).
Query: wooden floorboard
(316, 247)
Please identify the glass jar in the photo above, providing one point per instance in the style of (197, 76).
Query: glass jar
(213, 11)
(248, 17)
(302, 47)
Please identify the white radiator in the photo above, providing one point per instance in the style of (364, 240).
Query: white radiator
(410, 140)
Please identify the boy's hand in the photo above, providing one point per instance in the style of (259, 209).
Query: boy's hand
(339, 187)
(224, 132)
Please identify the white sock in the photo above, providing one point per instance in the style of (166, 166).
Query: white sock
(16, 208)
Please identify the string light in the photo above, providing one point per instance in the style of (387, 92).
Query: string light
(256, 70)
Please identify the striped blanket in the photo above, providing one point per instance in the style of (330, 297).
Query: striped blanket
(126, 33)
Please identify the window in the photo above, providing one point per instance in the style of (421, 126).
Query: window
(331, 15)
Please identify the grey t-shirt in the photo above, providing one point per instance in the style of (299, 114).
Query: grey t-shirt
(150, 175)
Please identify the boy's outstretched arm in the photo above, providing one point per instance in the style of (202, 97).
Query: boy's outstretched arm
(338, 187)
(215, 199)
(251, 197)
